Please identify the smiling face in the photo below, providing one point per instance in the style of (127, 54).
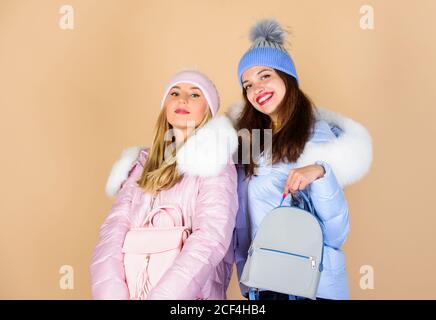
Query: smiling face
(265, 89)
(184, 104)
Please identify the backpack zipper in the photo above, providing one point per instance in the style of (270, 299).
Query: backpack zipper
(310, 258)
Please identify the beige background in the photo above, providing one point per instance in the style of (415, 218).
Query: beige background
(72, 100)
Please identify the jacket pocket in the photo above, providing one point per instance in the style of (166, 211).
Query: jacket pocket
(275, 265)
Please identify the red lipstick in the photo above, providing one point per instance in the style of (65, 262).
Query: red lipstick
(264, 98)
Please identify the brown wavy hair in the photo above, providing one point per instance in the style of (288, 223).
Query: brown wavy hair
(296, 113)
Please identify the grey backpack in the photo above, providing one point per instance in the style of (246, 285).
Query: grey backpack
(286, 253)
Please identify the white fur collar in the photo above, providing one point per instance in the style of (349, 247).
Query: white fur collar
(207, 152)
(349, 155)
(120, 170)
(204, 154)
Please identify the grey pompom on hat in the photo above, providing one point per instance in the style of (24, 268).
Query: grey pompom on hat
(268, 33)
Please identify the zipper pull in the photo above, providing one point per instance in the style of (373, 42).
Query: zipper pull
(313, 263)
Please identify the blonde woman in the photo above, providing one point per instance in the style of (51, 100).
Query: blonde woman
(192, 171)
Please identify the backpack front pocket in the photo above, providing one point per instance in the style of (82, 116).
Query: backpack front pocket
(280, 270)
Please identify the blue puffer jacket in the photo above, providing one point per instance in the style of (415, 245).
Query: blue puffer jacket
(343, 147)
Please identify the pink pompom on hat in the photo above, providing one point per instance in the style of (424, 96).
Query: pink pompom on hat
(199, 80)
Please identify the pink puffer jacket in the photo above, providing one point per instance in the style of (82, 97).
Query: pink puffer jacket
(208, 192)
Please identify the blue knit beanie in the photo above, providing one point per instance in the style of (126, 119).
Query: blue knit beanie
(267, 49)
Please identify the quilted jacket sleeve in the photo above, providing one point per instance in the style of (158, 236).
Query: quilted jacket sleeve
(107, 269)
(331, 207)
(213, 224)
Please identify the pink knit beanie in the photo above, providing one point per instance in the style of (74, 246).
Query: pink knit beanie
(201, 81)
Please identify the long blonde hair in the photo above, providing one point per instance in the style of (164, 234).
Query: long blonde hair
(160, 170)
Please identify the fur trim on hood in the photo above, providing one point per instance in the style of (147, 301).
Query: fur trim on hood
(349, 155)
